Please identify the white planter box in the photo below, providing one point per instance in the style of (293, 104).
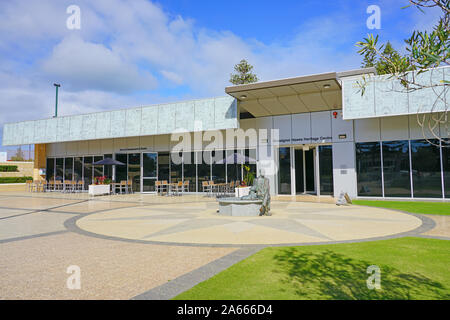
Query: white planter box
(99, 189)
(242, 191)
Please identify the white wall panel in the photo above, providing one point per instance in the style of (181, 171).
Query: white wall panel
(367, 130)
(341, 127)
(344, 173)
(321, 127)
(394, 128)
(284, 126)
(301, 128)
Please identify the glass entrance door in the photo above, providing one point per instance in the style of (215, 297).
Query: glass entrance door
(149, 171)
(134, 171)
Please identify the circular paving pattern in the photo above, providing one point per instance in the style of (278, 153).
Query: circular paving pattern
(290, 223)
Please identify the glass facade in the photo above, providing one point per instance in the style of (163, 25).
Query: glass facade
(326, 170)
(218, 166)
(203, 168)
(190, 170)
(87, 165)
(426, 169)
(446, 166)
(68, 169)
(121, 171)
(401, 160)
(397, 178)
(368, 169)
(176, 167)
(233, 167)
(50, 169)
(284, 171)
(59, 172)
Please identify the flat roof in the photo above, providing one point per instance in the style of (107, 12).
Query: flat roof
(309, 93)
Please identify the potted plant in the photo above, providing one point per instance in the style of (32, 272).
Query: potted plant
(101, 186)
(244, 187)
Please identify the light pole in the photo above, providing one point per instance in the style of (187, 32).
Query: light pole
(56, 100)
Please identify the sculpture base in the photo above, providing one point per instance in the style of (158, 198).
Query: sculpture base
(239, 208)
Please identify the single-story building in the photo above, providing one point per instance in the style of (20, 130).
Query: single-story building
(315, 134)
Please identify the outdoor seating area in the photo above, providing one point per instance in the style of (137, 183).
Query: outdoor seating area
(122, 187)
(212, 188)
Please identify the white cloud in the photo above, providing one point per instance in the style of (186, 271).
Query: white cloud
(85, 65)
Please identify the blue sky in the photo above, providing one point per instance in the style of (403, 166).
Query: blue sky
(131, 53)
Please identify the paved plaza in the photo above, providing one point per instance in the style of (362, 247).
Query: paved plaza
(147, 246)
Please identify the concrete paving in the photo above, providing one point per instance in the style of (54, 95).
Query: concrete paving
(151, 247)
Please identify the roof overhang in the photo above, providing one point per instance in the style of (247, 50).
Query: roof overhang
(318, 92)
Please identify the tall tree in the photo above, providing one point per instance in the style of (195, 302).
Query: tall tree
(243, 73)
(424, 50)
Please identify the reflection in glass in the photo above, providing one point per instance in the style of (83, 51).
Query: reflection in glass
(218, 166)
(68, 169)
(59, 169)
(250, 161)
(326, 169)
(203, 168)
(189, 170)
(78, 169)
(176, 167)
(368, 169)
(87, 168)
(150, 162)
(107, 170)
(234, 170)
(163, 166)
(50, 169)
(98, 170)
(134, 171)
(426, 169)
(446, 163)
(284, 171)
(148, 185)
(121, 171)
(397, 182)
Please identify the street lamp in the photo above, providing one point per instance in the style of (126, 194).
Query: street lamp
(56, 100)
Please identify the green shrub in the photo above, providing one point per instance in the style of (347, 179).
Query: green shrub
(7, 168)
(14, 179)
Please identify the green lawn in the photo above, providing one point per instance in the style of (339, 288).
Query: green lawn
(441, 208)
(411, 268)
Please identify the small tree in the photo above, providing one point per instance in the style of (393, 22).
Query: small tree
(243, 74)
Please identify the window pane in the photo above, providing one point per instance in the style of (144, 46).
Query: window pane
(98, 170)
(284, 171)
(163, 166)
(397, 182)
(189, 170)
(150, 162)
(250, 161)
(326, 169)
(176, 167)
(121, 171)
(233, 168)
(368, 169)
(50, 169)
(218, 166)
(107, 170)
(87, 165)
(134, 171)
(68, 169)
(203, 168)
(59, 169)
(148, 185)
(446, 162)
(426, 169)
(78, 169)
